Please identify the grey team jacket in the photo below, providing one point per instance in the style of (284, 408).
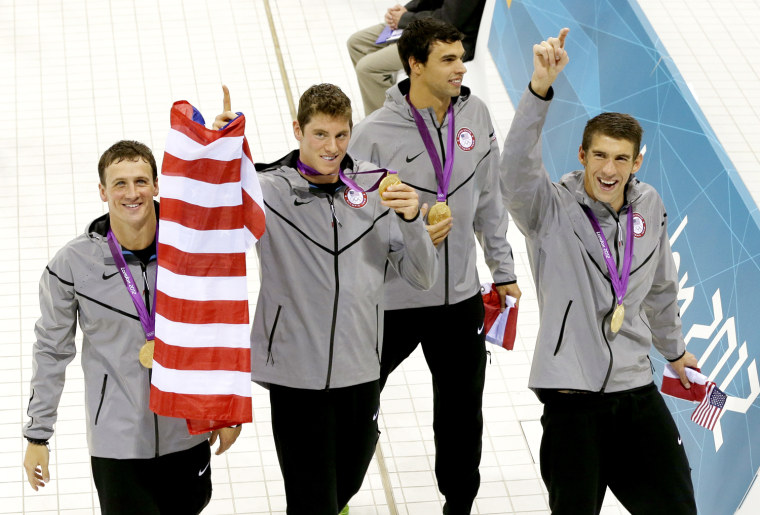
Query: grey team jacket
(323, 257)
(575, 347)
(82, 282)
(389, 137)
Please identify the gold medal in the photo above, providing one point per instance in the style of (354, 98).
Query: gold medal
(440, 211)
(389, 180)
(617, 318)
(146, 354)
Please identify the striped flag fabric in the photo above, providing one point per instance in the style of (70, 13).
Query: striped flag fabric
(671, 384)
(212, 211)
(709, 410)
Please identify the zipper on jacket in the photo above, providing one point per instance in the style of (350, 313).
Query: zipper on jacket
(102, 396)
(335, 223)
(446, 241)
(606, 341)
(562, 329)
(271, 336)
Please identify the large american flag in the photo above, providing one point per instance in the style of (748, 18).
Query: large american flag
(211, 213)
(709, 410)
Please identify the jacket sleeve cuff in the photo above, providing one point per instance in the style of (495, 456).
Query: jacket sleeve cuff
(36, 441)
(676, 359)
(505, 283)
(409, 221)
(549, 94)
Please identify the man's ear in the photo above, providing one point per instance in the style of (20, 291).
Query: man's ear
(102, 191)
(415, 66)
(582, 155)
(297, 130)
(637, 162)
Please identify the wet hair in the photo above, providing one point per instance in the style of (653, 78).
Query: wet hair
(126, 150)
(418, 39)
(327, 99)
(615, 125)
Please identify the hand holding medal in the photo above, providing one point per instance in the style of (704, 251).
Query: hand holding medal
(399, 196)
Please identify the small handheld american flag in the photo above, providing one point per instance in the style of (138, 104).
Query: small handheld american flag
(709, 410)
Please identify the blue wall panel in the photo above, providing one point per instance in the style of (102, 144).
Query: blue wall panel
(618, 64)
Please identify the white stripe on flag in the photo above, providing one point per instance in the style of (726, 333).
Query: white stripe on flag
(201, 382)
(193, 241)
(692, 375)
(201, 193)
(179, 334)
(223, 149)
(203, 288)
(250, 181)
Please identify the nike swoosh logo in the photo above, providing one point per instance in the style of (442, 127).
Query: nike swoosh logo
(297, 202)
(204, 469)
(410, 159)
(679, 440)
(106, 277)
(481, 328)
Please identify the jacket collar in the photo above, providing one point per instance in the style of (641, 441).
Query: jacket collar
(573, 182)
(396, 101)
(290, 160)
(101, 224)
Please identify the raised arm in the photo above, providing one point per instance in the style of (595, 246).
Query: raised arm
(526, 188)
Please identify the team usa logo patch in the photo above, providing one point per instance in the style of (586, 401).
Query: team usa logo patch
(465, 139)
(639, 225)
(355, 199)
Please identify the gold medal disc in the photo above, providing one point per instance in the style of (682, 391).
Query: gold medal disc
(146, 354)
(388, 180)
(440, 211)
(617, 318)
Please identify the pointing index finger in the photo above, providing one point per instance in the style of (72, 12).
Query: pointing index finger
(227, 104)
(562, 36)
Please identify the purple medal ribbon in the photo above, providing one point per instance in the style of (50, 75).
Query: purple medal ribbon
(619, 283)
(442, 173)
(308, 170)
(148, 320)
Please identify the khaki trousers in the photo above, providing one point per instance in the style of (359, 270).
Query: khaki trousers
(376, 65)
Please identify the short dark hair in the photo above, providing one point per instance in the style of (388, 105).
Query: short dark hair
(614, 125)
(327, 99)
(418, 39)
(126, 150)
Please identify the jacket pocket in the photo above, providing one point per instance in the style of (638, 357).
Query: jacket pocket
(562, 329)
(102, 396)
(271, 336)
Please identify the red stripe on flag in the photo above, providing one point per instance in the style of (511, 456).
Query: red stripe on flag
(203, 358)
(203, 311)
(182, 120)
(202, 218)
(201, 265)
(255, 219)
(211, 171)
(232, 409)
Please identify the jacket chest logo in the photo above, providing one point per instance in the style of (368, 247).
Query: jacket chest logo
(639, 225)
(355, 199)
(465, 139)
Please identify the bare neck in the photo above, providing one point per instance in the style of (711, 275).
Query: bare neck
(135, 237)
(422, 98)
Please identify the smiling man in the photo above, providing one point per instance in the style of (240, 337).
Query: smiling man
(105, 279)
(318, 328)
(440, 138)
(607, 291)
